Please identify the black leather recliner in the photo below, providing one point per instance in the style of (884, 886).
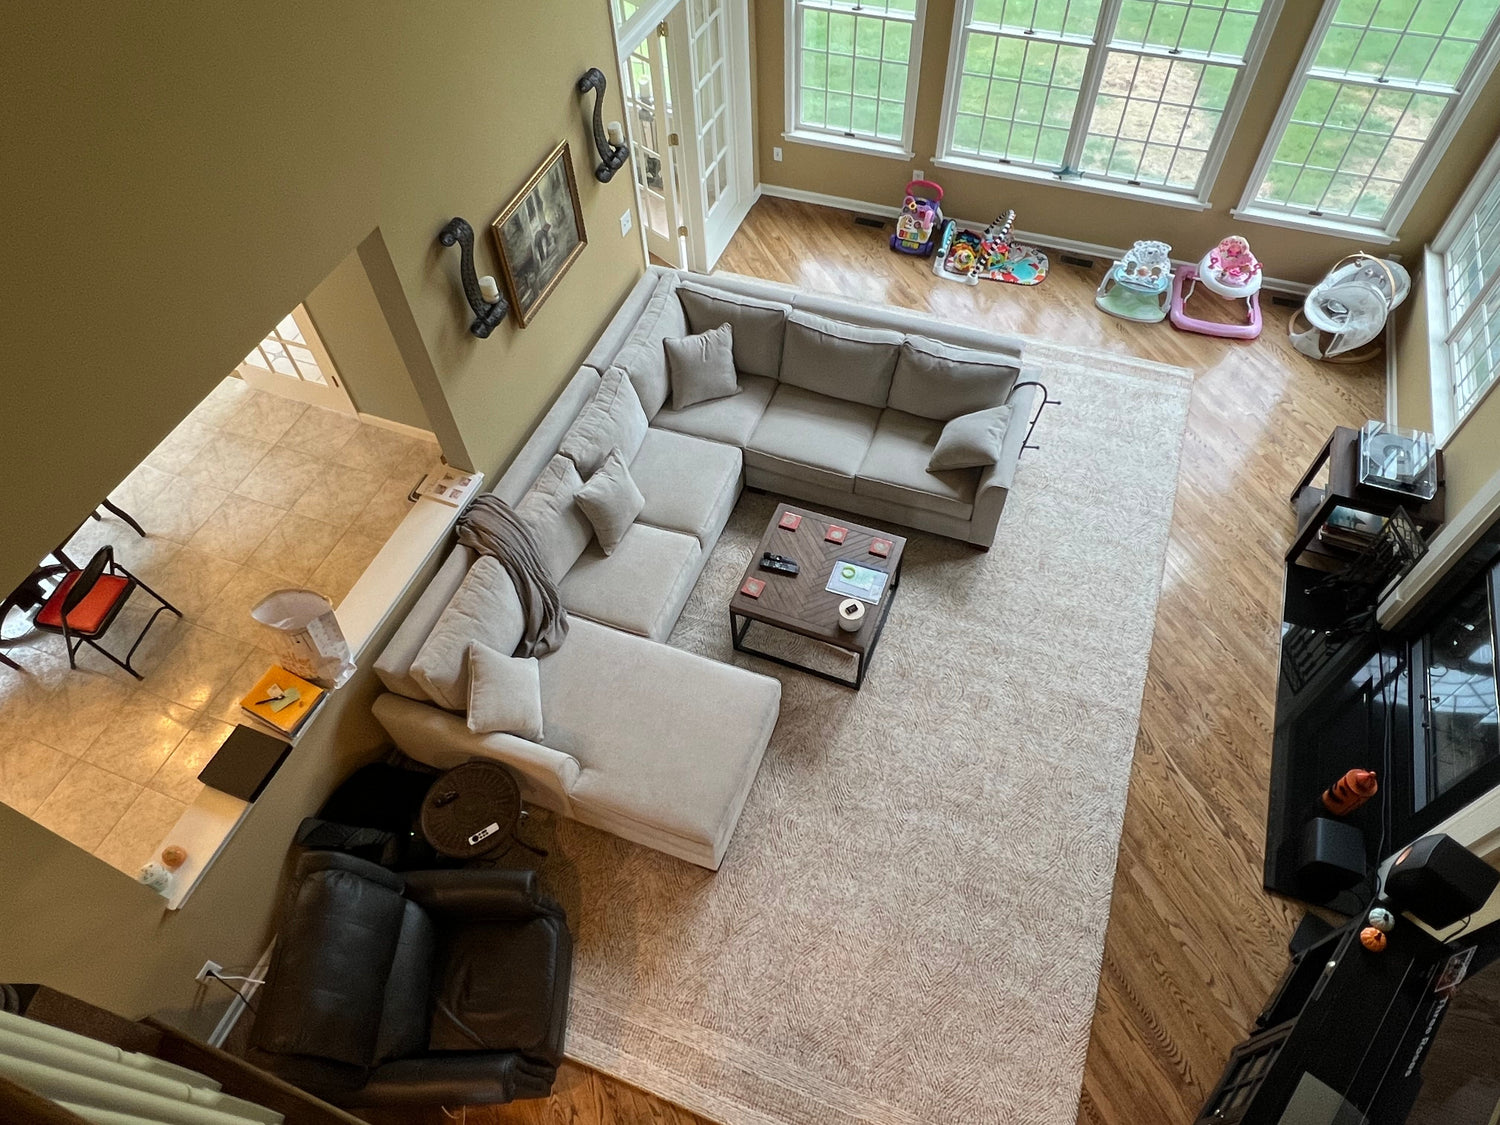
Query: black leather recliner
(429, 988)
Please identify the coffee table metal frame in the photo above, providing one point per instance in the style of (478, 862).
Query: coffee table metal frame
(740, 622)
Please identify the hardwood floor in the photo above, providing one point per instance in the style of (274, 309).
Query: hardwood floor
(1194, 944)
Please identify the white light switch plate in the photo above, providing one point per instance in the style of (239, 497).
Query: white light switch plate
(776, 153)
(625, 221)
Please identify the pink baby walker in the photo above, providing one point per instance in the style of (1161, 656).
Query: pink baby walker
(1230, 271)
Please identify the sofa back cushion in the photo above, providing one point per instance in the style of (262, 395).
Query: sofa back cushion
(550, 509)
(942, 381)
(485, 608)
(643, 358)
(759, 326)
(841, 360)
(613, 419)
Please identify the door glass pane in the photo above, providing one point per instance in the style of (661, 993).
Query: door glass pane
(1463, 733)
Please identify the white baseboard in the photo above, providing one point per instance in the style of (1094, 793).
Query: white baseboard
(398, 427)
(237, 1005)
(1049, 241)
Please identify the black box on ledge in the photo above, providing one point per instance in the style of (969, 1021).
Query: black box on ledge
(245, 763)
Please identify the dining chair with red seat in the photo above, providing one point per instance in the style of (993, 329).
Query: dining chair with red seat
(86, 603)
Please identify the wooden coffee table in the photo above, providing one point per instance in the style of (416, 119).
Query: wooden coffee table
(801, 604)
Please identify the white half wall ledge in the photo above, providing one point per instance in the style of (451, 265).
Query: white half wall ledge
(1046, 241)
(208, 824)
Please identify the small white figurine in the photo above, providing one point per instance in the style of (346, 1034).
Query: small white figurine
(157, 877)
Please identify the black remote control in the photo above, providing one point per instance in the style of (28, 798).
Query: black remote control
(779, 564)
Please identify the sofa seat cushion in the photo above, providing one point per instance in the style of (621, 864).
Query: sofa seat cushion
(667, 741)
(759, 326)
(842, 360)
(812, 437)
(895, 469)
(498, 985)
(643, 357)
(640, 588)
(689, 484)
(731, 420)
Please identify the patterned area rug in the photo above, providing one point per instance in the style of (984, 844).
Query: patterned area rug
(909, 923)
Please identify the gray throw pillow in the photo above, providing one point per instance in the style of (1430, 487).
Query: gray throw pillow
(486, 608)
(611, 501)
(971, 440)
(505, 693)
(612, 419)
(702, 367)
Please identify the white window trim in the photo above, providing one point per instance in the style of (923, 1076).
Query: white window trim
(792, 80)
(1446, 419)
(1475, 75)
(1196, 198)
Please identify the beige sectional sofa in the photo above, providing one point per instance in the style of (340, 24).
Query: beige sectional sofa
(839, 405)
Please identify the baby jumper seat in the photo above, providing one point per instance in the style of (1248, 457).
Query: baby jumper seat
(1229, 271)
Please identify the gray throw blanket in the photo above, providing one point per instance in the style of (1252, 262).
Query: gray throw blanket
(491, 527)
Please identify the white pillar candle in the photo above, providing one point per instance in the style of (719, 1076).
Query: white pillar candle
(488, 289)
(615, 132)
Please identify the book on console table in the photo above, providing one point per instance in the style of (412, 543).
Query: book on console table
(282, 701)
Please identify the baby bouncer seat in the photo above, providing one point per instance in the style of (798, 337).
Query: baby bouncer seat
(1137, 286)
(1229, 271)
(1347, 310)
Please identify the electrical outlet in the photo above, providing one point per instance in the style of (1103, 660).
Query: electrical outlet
(918, 174)
(776, 153)
(210, 968)
(625, 221)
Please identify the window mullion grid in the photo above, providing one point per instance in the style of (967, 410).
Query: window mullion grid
(1476, 306)
(1093, 75)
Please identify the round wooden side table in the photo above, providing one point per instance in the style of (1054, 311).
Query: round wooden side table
(472, 811)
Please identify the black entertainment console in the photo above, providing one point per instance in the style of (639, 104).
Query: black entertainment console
(1350, 1037)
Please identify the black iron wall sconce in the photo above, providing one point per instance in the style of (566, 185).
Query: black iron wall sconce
(482, 292)
(612, 156)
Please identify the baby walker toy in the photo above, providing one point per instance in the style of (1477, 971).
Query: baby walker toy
(967, 257)
(1137, 287)
(921, 216)
(1230, 271)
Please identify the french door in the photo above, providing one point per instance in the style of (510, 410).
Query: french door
(293, 363)
(655, 146)
(685, 65)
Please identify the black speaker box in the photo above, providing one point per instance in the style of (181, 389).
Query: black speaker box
(1440, 881)
(1330, 858)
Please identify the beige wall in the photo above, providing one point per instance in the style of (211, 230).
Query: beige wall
(192, 171)
(1068, 212)
(1471, 456)
(178, 177)
(354, 330)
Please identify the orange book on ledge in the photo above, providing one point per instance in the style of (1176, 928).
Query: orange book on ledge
(268, 700)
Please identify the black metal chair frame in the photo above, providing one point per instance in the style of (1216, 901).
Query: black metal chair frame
(101, 564)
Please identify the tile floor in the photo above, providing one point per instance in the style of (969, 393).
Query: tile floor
(251, 492)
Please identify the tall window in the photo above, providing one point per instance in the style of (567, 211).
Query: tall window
(1382, 85)
(852, 72)
(1464, 304)
(1137, 95)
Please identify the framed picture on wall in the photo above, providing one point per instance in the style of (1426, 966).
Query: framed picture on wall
(539, 234)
